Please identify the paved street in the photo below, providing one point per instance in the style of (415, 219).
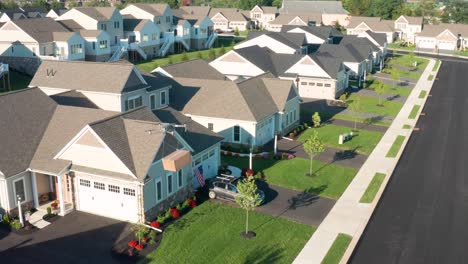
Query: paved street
(76, 238)
(423, 213)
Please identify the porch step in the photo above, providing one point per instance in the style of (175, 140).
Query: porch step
(37, 221)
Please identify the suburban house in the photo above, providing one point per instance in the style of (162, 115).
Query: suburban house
(296, 19)
(261, 16)
(129, 166)
(278, 42)
(141, 37)
(315, 76)
(97, 42)
(40, 37)
(195, 31)
(248, 112)
(115, 87)
(21, 13)
(316, 36)
(378, 39)
(407, 27)
(356, 58)
(198, 68)
(330, 11)
(443, 38)
(107, 19)
(55, 13)
(378, 56)
(230, 19)
(160, 14)
(358, 24)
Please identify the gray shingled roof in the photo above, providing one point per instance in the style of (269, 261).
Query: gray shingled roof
(293, 40)
(134, 24)
(285, 19)
(197, 136)
(435, 30)
(71, 25)
(40, 29)
(375, 23)
(380, 38)
(348, 52)
(73, 98)
(98, 13)
(22, 127)
(197, 69)
(232, 14)
(323, 32)
(154, 9)
(88, 76)
(309, 6)
(269, 9)
(247, 100)
(355, 40)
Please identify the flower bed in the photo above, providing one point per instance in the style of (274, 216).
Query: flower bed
(143, 239)
(14, 225)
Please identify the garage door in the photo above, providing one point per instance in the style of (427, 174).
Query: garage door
(447, 45)
(426, 44)
(113, 201)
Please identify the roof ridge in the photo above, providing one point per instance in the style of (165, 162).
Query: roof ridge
(18, 91)
(121, 115)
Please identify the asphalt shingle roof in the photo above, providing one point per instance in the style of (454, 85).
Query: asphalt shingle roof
(309, 6)
(41, 29)
(348, 52)
(323, 32)
(293, 40)
(197, 69)
(98, 13)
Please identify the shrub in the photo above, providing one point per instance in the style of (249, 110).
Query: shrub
(284, 155)
(145, 239)
(222, 50)
(132, 243)
(179, 207)
(152, 235)
(155, 224)
(211, 54)
(305, 125)
(174, 213)
(184, 56)
(161, 219)
(271, 155)
(259, 156)
(15, 224)
(186, 204)
(6, 219)
(199, 55)
(139, 247)
(191, 203)
(291, 135)
(316, 119)
(260, 148)
(236, 31)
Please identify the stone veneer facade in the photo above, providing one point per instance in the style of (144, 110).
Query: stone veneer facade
(171, 201)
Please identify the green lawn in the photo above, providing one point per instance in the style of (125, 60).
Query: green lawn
(406, 126)
(363, 141)
(337, 250)
(462, 53)
(210, 234)
(405, 60)
(148, 66)
(430, 77)
(395, 148)
(329, 181)
(414, 112)
(362, 120)
(393, 89)
(373, 188)
(436, 65)
(398, 46)
(423, 94)
(370, 105)
(17, 81)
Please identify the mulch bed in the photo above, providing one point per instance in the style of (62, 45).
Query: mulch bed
(124, 254)
(26, 230)
(51, 218)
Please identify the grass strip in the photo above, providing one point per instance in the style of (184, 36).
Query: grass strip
(373, 188)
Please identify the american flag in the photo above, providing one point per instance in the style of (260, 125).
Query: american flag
(199, 175)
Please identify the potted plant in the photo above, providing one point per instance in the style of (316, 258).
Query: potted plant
(54, 205)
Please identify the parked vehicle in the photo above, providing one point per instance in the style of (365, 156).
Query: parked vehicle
(225, 187)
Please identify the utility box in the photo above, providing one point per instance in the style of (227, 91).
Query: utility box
(340, 140)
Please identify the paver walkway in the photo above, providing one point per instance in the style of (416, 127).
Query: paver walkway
(348, 215)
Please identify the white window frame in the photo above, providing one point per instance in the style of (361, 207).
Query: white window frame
(233, 134)
(152, 98)
(167, 183)
(161, 98)
(160, 191)
(24, 189)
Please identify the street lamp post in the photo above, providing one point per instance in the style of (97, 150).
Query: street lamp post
(20, 211)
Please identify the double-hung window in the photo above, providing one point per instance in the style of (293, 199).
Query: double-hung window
(163, 98)
(133, 102)
(236, 134)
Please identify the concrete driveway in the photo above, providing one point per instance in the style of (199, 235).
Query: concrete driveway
(76, 238)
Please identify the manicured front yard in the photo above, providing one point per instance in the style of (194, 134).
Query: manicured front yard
(370, 105)
(373, 188)
(363, 141)
(175, 58)
(395, 148)
(392, 89)
(406, 61)
(337, 249)
(329, 181)
(210, 234)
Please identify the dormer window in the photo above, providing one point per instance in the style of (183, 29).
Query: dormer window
(103, 27)
(133, 102)
(163, 98)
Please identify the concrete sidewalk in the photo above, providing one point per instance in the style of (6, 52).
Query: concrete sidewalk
(348, 216)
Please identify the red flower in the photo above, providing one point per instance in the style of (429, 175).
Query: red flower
(132, 243)
(249, 173)
(175, 213)
(139, 247)
(145, 239)
(191, 203)
(155, 224)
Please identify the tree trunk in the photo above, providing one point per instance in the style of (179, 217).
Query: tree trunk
(247, 222)
(311, 160)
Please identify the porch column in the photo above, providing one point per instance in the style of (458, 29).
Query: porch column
(61, 196)
(34, 189)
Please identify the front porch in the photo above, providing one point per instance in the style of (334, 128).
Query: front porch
(52, 191)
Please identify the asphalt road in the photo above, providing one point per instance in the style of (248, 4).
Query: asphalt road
(423, 214)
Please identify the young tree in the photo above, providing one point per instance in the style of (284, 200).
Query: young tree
(316, 119)
(355, 107)
(236, 31)
(395, 77)
(380, 90)
(412, 58)
(313, 146)
(248, 198)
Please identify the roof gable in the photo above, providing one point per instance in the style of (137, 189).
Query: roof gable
(447, 35)
(402, 19)
(306, 66)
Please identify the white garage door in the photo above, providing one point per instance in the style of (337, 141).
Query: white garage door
(316, 90)
(426, 44)
(447, 45)
(108, 200)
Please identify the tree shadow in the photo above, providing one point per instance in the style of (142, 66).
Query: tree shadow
(373, 120)
(346, 154)
(270, 194)
(264, 254)
(393, 97)
(316, 190)
(304, 199)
